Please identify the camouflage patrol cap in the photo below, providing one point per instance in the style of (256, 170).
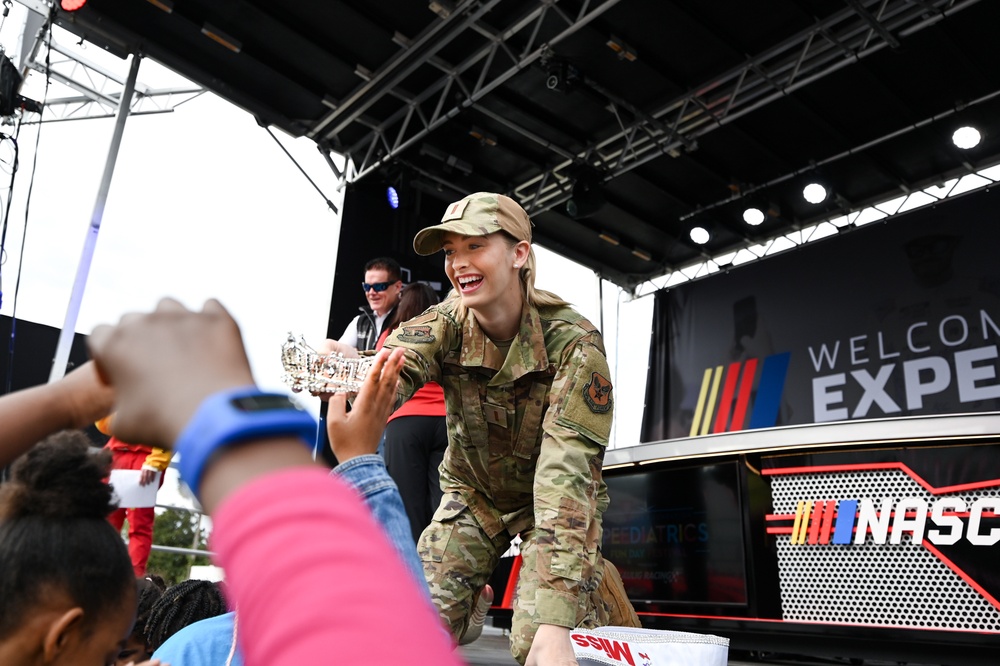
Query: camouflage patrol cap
(477, 214)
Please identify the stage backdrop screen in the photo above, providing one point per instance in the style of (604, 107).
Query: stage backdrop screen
(886, 320)
(676, 535)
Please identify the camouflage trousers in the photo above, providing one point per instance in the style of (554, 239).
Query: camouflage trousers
(458, 558)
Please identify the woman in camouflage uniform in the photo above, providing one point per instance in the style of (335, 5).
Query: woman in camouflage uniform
(529, 414)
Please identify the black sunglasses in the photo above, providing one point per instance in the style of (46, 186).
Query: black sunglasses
(379, 287)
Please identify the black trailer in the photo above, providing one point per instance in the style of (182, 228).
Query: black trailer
(864, 539)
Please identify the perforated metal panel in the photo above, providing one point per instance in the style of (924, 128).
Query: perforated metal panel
(902, 585)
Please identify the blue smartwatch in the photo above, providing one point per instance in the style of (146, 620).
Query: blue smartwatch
(236, 415)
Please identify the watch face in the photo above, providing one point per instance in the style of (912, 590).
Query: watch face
(262, 403)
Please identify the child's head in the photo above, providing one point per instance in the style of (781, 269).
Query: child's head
(136, 648)
(66, 582)
(185, 603)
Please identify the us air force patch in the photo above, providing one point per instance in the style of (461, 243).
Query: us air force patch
(416, 335)
(597, 394)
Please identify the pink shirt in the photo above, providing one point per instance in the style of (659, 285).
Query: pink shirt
(316, 581)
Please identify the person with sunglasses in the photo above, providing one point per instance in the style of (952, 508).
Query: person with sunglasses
(382, 287)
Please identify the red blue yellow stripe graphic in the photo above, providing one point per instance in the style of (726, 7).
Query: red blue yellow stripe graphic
(717, 413)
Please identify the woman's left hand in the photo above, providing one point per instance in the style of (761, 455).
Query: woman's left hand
(328, 347)
(551, 647)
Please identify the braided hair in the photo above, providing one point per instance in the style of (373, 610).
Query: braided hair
(181, 605)
(54, 533)
(151, 588)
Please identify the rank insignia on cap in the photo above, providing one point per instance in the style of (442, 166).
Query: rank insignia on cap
(418, 335)
(597, 394)
(455, 211)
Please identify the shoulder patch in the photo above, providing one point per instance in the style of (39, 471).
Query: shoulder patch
(415, 334)
(597, 393)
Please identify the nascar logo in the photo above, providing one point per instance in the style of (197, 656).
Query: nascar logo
(717, 412)
(942, 521)
(852, 521)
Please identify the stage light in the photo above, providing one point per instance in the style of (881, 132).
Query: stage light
(814, 193)
(221, 38)
(608, 237)
(443, 8)
(483, 137)
(557, 77)
(642, 254)
(10, 83)
(363, 73)
(966, 137)
(72, 5)
(624, 51)
(165, 5)
(587, 197)
(393, 196)
(753, 216)
(450, 161)
(700, 235)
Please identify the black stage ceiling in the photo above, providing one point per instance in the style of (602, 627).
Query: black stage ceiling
(679, 111)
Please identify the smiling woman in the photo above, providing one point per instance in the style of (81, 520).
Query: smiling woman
(496, 300)
(529, 412)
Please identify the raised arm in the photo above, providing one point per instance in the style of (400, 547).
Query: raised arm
(294, 541)
(570, 495)
(30, 415)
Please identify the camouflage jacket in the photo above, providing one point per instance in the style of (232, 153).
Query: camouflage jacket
(526, 433)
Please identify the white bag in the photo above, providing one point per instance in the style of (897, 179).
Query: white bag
(621, 646)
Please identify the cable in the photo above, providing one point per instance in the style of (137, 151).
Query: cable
(329, 203)
(7, 4)
(27, 206)
(10, 198)
(618, 347)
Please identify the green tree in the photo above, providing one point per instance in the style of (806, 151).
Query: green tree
(177, 528)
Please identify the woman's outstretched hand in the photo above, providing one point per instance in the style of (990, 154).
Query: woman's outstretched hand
(358, 431)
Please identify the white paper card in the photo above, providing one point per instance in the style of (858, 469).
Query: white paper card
(128, 493)
(633, 646)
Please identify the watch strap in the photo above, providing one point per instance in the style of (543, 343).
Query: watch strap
(235, 415)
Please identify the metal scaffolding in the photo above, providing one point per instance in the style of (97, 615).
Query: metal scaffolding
(848, 36)
(99, 89)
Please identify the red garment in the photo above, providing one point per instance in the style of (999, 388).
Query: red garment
(427, 401)
(341, 597)
(140, 521)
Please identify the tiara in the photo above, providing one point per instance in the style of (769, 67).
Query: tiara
(308, 370)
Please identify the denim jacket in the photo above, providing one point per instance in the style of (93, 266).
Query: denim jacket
(368, 475)
(201, 643)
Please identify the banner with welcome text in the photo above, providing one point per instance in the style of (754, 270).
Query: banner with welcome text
(893, 319)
